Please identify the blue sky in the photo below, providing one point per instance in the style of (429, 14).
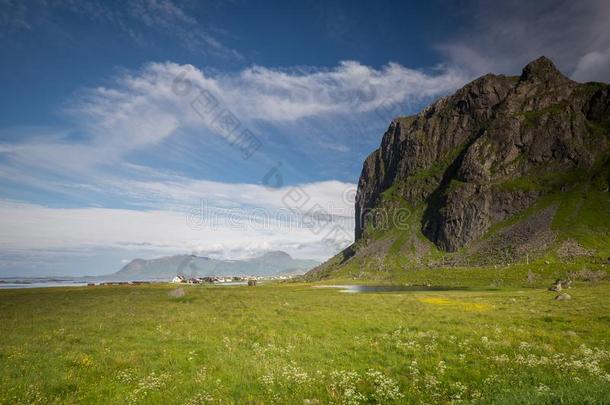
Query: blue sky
(121, 120)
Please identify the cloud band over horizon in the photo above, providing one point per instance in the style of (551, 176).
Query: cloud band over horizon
(149, 138)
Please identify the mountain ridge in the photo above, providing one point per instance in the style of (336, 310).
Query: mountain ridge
(268, 264)
(442, 181)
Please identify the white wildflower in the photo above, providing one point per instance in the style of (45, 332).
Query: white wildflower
(385, 388)
(542, 389)
(201, 398)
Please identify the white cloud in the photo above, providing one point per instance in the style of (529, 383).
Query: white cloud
(143, 109)
(503, 37)
(349, 88)
(594, 66)
(236, 232)
(149, 105)
(180, 193)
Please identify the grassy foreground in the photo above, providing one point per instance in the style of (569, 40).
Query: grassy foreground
(290, 343)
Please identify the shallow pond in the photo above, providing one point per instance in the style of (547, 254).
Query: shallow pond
(356, 288)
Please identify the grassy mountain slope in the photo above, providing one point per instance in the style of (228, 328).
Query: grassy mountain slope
(506, 171)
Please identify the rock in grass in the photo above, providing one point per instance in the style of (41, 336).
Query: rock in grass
(177, 293)
(563, 297)
(559, 284)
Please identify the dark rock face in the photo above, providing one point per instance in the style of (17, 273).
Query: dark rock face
(460, 154)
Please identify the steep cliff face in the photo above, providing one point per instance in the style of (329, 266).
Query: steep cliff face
(486, 153)
(413, 144)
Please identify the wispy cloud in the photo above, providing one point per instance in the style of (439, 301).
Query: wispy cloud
(134, 18)
(140, 111)
(503, 37)
(236, 232)
(142, 107)
(13, 16)
(168, 16)
(349, 88)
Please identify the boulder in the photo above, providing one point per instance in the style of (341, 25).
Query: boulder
(560, 284)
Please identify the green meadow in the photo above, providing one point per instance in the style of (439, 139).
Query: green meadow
(503, 339)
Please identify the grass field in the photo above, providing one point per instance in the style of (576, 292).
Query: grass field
(502, 342)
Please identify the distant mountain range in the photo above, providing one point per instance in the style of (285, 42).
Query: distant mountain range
(269, 264)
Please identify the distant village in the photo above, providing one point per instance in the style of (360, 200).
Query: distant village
(180, 279)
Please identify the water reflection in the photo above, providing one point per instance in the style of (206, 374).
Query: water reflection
(355, 288)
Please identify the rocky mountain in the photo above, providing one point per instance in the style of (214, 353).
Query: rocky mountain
(269, 264)
(506, 169)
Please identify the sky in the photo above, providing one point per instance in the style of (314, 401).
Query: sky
(144, 128)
